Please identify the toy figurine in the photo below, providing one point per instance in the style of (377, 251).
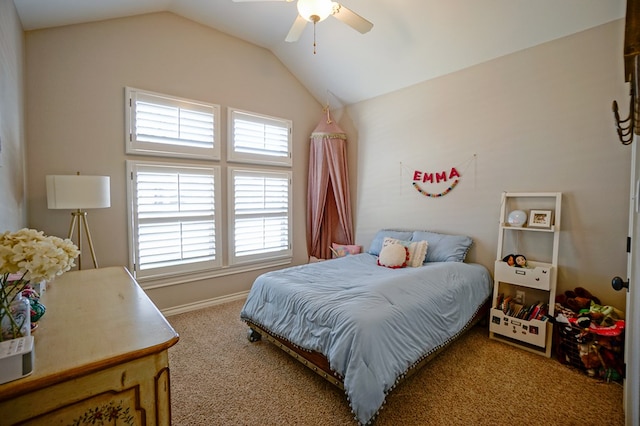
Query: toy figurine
(520, 260)
(517, 260)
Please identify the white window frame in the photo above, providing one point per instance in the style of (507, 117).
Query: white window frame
(285, 253)
(174, 146)
(181, 267)
(278, 158)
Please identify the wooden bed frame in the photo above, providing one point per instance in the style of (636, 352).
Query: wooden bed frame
(318, 363)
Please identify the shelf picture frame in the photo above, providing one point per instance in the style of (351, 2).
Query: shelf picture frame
(540, 219)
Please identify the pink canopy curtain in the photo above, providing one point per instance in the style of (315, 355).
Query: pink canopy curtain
(328, 197)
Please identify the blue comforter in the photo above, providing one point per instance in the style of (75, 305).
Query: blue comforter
(372, 323)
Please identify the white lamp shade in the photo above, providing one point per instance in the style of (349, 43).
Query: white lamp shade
(78, 192)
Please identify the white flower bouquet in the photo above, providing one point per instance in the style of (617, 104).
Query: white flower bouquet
(29, 256)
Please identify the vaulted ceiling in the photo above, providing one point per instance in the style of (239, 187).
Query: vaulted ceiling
(411, 40)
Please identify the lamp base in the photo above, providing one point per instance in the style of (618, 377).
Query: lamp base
(78, 217)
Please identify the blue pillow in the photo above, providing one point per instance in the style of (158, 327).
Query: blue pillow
(444, 247)
(376, 244)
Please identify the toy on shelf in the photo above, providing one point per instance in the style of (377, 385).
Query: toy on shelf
(517, 260)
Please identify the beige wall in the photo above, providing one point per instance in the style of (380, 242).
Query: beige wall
(75, 107)
(13, 209)
(536, 120)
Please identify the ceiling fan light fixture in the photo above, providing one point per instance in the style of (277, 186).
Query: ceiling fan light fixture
(315, 10)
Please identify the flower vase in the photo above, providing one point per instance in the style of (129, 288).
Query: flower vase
(17, 321)
(28, 257)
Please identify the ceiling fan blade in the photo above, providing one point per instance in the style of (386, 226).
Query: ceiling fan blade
(296, 29)
(351, 18)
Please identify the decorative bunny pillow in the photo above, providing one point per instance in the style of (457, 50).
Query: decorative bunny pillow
(393, 256)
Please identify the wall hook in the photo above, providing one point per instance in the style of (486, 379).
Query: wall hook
(629, 126)
(626, 127)
(326, 109)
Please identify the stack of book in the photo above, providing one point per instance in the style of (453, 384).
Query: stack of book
(508, 305)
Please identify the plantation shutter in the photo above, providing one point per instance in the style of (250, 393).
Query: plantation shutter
(175, 217)
(163, 125)
(260, 215)
(259, 139)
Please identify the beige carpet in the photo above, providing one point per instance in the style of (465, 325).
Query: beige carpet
(219, 378)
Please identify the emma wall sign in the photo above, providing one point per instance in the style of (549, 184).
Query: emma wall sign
(443, 180)
(421, 178)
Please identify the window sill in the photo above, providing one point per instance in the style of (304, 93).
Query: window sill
(159, 281)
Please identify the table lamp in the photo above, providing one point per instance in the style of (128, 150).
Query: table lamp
(79, 193)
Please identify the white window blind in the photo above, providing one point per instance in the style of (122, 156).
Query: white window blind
(260, 215)
(257, 138)
(174, 218)
(169, 126)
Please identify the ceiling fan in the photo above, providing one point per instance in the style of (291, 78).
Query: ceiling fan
(318, 10)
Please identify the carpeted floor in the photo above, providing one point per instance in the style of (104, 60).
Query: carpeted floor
(219, 378)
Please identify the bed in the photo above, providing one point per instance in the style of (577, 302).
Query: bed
(363, 326)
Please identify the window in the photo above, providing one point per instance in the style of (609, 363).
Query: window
(260, 214)
(174, 218)
(255, 138)
(168, 126)
(177, 210)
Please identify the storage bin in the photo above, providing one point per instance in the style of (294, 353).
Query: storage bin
(598, 356)
(533, 332)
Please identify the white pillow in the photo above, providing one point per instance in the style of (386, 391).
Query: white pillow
(393, 256)
(417, 250)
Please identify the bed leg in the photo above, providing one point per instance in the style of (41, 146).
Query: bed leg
(253, 336)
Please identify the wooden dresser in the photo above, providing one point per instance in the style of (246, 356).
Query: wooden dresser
(100, 352)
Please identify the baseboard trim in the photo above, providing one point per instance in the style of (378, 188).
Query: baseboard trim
(175, 310)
